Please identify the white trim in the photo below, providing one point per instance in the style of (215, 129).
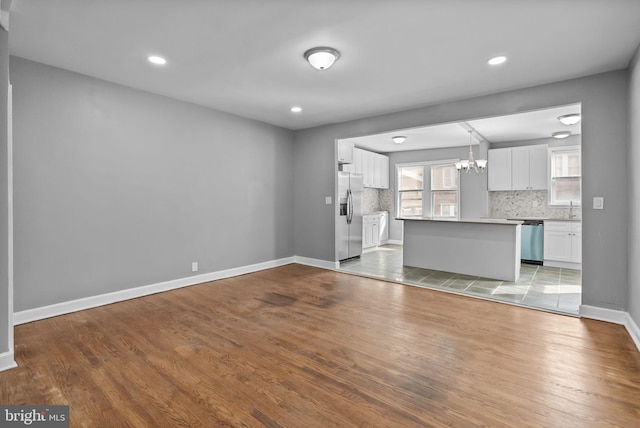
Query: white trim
(613, 316)
(603, 314)
(633, 329)
(395, 241)
(35, 314)
(10, 217)
(323, 264)
(6, 361)
(559, 264)
(427, 163)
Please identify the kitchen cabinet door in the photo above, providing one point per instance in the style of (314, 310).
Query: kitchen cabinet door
(557, 246)
(384, 172)
(357, 161)
(576, 247)
(345, 151)
(538, 171)
(520, 168)
(499, 169)
(370, 231)
(376, 180)
(366, 168)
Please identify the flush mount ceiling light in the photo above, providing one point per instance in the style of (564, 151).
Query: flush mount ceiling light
(399, 139)
(321, 57)
(561, 134)
(570, 119)
(496, 60)
(467, 165)
(157, 60)
(296, 109)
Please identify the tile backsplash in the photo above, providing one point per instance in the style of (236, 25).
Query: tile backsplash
(370, 200)
(377, 200)
(526, 203)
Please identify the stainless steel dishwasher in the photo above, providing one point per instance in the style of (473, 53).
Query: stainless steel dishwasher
(532, 250)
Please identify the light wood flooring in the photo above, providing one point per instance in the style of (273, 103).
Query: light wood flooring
(298, 346)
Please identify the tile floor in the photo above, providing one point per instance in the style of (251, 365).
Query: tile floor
(548, 288)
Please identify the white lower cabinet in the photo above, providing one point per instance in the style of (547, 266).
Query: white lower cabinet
(563, 244)
(370, 230)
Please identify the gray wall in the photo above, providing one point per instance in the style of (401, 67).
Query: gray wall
(4, 265)
(634, 189)
(118, 188)
(604, 99)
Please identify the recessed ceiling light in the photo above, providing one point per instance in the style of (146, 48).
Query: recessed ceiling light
(296, 109)
(496, 60)
(399, 139)
(157, 60)
(570, 119)
(561, 134)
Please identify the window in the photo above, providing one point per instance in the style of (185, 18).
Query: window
(565, 186)
(411, 190)
(444, 190)
(428, 189)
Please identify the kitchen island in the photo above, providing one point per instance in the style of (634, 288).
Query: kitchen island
(488, 248)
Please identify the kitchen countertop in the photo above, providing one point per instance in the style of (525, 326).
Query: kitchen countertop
(499, 221)
(375, 212)
(544, 219)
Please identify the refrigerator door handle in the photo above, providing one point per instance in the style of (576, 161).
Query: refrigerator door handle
(349, 206)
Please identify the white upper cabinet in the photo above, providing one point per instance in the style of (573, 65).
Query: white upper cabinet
(529, 168)
(384, 171)
(374, 168)
(499, 169)
(518, 168)
(345, 151)
(538, 162)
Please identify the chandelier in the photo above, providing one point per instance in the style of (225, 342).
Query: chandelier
(467, 165)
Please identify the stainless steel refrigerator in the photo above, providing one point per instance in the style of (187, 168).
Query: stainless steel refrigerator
(350, 219)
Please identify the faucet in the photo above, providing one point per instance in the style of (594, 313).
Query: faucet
(571, 213)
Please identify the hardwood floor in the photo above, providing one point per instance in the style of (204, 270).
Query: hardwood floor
(298, 346)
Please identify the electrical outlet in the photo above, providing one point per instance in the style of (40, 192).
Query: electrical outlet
(194, 267)
(327, 200)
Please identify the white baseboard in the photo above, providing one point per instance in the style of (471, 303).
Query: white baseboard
(316, 263)
(634, 330)
(603, 314)
(613, 316)
(35, 314)
(565, 265)
(6, 361)
(395, 242)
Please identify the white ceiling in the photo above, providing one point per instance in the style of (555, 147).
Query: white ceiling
(531, 125)
(245, 56)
